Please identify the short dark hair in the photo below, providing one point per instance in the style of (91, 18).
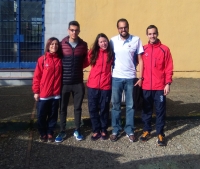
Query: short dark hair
(74, 23)
(122, 20)
(151, 27)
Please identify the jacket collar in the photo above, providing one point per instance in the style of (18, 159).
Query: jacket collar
(155, 45)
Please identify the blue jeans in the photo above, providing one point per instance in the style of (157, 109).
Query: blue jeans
(118, 85)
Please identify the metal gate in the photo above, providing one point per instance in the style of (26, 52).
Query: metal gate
(21, 33)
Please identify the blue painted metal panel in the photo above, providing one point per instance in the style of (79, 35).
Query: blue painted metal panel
(21, 34)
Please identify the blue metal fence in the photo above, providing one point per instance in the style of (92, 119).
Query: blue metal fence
(21, 33)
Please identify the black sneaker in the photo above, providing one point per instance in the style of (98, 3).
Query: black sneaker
(43, 138)
(50, 138)
(95, 136)
(104, 135)
(161, 140)
(131, 138)
(114, 137)
(145, 136)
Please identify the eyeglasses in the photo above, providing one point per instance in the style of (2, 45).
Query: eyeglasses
(121, 28)
(74, 30)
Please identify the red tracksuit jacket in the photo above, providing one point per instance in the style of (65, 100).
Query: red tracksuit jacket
(47, 76)
(100, 73)
(158, 66)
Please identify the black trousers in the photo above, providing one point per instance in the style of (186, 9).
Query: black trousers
(77, 91)
(47, 114)
(151, 98)
(99, 105)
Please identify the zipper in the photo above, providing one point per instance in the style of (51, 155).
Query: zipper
(151, 66)
(101, 70)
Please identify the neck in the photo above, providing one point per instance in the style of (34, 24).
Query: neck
(73, 40)
(124, 38)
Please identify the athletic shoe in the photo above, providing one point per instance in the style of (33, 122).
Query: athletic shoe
(161, 140)
(43, 138)
(60, 137)
(103, 135)
(131, 137)
(50, 138)
(78, 135)
(114, 137)
(145, 136)
(95, 136)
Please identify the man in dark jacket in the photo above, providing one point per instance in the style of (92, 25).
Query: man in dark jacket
(74, 52)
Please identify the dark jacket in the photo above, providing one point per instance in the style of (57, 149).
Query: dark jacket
(72, 61)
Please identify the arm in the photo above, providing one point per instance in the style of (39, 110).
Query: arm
(168, 72)
(36, 80)
(140, 63)
(85, 61)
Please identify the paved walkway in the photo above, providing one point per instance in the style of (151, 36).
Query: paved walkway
(20, 147)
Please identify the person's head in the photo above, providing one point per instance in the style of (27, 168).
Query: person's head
(53, 46)
(152, 33)
(73, 30)
(101, 42)
(123, 28)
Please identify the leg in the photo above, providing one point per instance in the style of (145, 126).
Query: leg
(117, 88)
(104, 109)
(160, 105)
(128, 88)
(65, 95)
(78, 94)
(147, 110)
(42, 111)
(93, 103)
(52, 116)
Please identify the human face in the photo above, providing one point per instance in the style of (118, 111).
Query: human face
(73, 32)
(123, 29)
(53, 46)
(152, 35)
(103, 43)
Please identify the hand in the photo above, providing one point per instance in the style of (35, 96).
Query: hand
(37, 97)
(139, 82)
(166, 89)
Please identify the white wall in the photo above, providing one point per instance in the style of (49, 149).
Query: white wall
(58, 13)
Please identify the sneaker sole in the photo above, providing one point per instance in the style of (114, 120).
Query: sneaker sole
(77, 138)
(118, 136)
(145, 140)
(61, 140)
(130, 139)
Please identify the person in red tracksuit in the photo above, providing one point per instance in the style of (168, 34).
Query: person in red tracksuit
(46, 88)
(157, 77)
(99, 85)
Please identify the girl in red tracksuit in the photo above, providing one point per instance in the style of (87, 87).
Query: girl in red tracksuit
(46, 88)
(99, 85)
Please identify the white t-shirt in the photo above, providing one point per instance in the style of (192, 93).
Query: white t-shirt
(126, 52)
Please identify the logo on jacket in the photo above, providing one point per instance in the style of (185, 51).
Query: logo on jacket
(146, 54)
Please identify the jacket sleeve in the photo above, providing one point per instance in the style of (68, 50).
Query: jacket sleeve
(86, 62)
(168, 67)
(37, 76)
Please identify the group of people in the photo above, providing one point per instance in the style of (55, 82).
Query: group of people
(59, 73)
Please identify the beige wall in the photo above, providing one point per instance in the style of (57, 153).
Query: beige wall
(178, 23)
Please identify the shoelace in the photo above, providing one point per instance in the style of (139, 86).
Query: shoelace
(160, 137)
(145, 133)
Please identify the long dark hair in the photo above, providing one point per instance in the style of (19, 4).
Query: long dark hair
(95, 49)
(49, 41)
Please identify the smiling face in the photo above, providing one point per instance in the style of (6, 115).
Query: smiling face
(123, 29)
(103, 43)
(152, 35)
(53, 46)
